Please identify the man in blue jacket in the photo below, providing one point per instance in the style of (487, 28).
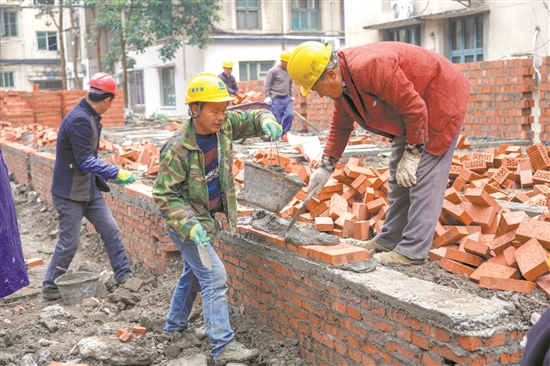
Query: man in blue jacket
(78, 177)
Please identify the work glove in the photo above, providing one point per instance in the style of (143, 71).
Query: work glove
(268, 100)
(272, 128)
(317, 180)
(406, 169)
(199, 235)
(125, 177)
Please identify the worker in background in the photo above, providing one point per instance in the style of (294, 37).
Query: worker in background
(13, 270)
(194, 183)
(409, 94)
(228, 79)
(78, 179)
(278, 94)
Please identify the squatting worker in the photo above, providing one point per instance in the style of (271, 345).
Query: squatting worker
(195, 182)
(278, 94)
(78, 178)
(409, 94)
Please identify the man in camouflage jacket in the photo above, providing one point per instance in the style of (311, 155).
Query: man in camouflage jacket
(195, 181)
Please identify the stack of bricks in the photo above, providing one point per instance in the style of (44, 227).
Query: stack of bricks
(137, 157)
(544, 102)
(113, 117)
(478, 238)
(47, 107)
(33, 133)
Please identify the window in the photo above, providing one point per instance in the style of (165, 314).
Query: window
(405, 34)
(305, 14)
(466, 39)
(136, 88)
(47, 41)
(254, 70)
(9, 19)
(6, 80)
(248, 14)
(168, 87)
(44, 2)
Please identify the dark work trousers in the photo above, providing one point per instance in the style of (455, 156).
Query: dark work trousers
(70, 217)
(413, 211)
(281, 107)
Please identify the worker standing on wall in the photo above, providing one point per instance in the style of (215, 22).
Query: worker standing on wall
(228, 79)
(278, 94)
(78, 178)
(194, 183)
(409, 94)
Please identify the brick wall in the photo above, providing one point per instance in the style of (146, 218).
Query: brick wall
(544, 103)
(337, 317)
(17, 159)
(49, 108)
(500, 101)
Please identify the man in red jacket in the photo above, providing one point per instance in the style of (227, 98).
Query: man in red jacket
(409, 94)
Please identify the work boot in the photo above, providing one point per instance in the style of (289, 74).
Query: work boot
(285, 137)
(51, 294)
(395, 259)
(200, 333)
(235, 352)
(371, 245)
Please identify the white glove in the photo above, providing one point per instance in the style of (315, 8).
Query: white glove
(267, 100)
(406, 169)
(317, 180)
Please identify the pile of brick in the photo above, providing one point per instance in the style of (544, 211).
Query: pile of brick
(28, 134)
(475, 236)
(132, 156)
(249, 97)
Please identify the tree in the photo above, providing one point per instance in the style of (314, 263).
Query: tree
(142, 23)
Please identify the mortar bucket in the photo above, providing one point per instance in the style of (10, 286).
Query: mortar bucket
(269, 189)
(76, 286)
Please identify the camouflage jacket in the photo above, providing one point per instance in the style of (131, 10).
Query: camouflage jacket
(180, 191)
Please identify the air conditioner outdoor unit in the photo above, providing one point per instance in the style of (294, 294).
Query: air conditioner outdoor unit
(401, 9)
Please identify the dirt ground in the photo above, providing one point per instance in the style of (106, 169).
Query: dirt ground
(45, 331)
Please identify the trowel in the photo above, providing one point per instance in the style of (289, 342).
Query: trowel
(205, 256)
(300, 210)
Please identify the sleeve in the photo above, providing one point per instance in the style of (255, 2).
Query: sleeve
(267, 83)
(173, 202)
(388, 82)
(340, 131)
(249, 123)
(231, 85)
(80, 137)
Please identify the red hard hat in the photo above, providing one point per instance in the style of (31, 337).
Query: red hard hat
(103, 81)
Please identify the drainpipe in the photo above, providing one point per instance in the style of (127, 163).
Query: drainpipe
(535, 111)
(285, 20)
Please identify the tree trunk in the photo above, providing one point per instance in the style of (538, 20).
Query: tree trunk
(62, 47)
(97, 43)
(124, 61)
(74, 35)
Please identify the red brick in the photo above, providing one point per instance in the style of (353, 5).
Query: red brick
(502, 242)
(494, 270)
(506, 284)
(436, 254)
(457, 213)
(337, 206)
(452, 236)
(452, 195)
(543, 282)
(479, 196)
(481, 215)
(477, 248)
(455, 267)
(324, 224)
(463, 257)
(510, 221)
(532, 259)
(361, 230)
(532, 229)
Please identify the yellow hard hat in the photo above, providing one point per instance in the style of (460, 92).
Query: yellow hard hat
(285, 55)
(307, 62)
(206, 87)
(227, 64)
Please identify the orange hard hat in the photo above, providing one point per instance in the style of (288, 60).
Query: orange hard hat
(103, 82)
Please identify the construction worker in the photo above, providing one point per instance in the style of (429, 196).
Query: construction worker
(13, 270)
(278, 94)
(228, 79)
(409, 94)
(78, 178)
(537, 348)
(194, 183)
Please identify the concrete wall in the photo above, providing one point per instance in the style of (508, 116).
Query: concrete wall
(337, 317)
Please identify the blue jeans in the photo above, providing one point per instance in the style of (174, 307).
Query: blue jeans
(213, 286)
(70, 217)
(281, 107)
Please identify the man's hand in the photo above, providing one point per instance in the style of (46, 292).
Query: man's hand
(317, 180)
(406, 169)
(272, 128)
(268, 100)
(125, 177)
(199, 235)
